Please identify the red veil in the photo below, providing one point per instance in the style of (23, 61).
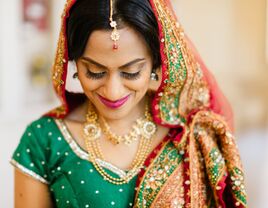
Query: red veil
(218, 102)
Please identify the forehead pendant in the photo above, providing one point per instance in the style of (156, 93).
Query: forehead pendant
(115, 34)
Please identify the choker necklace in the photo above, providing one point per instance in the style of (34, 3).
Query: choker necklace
(92, 133)
(143, 126)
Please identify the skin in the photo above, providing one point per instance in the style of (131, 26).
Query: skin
(30, 193)
(99, 57)
(113, 85)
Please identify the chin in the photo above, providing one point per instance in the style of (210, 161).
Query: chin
(114, 114)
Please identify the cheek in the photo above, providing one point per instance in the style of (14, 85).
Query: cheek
(141, 84)
(89, 85)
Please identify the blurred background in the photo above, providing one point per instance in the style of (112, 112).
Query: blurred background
(231, 36)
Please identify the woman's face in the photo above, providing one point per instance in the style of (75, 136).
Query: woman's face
(116, 81)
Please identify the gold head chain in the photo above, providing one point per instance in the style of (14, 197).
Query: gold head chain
(115, 34)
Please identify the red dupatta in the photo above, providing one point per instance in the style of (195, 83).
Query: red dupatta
(187, 98)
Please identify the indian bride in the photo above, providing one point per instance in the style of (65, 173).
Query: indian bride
(142, 122)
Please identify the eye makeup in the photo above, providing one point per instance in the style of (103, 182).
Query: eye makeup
(131, 76)
(94, 75)
(123, 74)
(126, 75)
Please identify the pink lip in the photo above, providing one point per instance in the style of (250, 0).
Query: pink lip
(114, 104)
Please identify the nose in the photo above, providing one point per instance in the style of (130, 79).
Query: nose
(114, 87)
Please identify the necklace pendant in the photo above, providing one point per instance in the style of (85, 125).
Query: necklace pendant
(149, 128)
(92, 131)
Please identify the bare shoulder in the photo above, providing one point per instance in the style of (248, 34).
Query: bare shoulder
(29, 192)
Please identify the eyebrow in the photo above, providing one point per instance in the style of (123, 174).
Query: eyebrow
(87, 59)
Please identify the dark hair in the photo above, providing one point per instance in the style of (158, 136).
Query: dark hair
(89, 15)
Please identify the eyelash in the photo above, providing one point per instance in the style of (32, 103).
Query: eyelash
(95, 75)
(129, 76)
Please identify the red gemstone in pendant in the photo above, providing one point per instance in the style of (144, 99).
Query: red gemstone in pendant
(115, 46)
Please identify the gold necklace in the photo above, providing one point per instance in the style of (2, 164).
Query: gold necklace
(134, 133)
(92, 133)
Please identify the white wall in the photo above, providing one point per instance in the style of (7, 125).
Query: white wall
(10, 85)
(11, 69)
(229, 34)
(15, 114)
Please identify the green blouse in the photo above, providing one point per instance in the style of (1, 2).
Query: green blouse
(48, 153)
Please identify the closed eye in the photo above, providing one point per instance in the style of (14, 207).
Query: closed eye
(125, 75)
(94, 75)
(130, 76)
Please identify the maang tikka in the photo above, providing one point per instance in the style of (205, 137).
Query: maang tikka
(115, 34)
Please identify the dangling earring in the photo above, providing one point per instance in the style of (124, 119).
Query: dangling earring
(155, 80)
(75, 75)
(154, 76)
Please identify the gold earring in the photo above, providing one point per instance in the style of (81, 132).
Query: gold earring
(75, 75)
(154, 76)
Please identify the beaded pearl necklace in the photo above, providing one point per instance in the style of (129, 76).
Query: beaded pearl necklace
(92, 132)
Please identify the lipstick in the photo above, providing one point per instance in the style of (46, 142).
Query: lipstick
(114, 104)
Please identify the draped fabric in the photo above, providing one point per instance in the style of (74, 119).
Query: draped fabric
(199, 164)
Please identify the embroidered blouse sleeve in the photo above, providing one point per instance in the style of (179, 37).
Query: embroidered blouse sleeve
(30, 155)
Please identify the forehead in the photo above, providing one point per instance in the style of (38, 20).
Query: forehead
(131, 45)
